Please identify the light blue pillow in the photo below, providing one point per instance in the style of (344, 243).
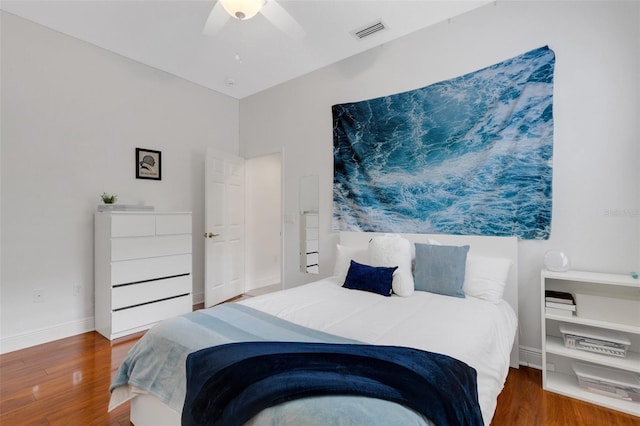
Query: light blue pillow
(440, 269)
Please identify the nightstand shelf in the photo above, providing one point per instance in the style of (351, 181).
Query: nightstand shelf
(610, 302)
(567, 385)
(555, 345)
(597, 323)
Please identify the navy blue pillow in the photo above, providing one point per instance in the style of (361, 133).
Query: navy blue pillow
(375, 279)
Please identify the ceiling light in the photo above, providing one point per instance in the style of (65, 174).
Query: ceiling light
(242, 9)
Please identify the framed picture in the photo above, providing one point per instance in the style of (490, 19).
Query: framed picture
(148, 164)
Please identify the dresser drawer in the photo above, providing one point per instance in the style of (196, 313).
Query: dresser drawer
(129, 271)
(141, 247)
(311, 245)
(311, 233)
(311, 220)
(145, 315)
(170, 224)
(132, 225)
(135, 294)
(312, 259)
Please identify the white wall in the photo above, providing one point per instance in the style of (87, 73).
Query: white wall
(597, 46)
(72, 116)
(263, 220)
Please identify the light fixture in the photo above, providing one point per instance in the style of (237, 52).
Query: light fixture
(556, 261)
(242, 9)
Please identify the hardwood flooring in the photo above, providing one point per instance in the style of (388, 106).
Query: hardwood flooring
(66, 383)
(524, 403)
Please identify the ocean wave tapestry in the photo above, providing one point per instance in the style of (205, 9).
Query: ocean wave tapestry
(468, 156)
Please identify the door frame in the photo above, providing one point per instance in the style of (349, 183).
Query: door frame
(281, 154)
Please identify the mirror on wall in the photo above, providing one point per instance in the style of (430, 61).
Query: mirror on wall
(309, 225)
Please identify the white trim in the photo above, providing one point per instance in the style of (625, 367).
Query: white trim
(262, 282)
(45, 335)
(531, 357)
(198, 298)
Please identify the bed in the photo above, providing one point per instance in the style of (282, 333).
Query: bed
(480, 332)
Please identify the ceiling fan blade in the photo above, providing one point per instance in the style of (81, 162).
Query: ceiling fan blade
(216, 20)
(282, 19)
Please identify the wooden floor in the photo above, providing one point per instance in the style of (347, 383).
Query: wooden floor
(66, 383)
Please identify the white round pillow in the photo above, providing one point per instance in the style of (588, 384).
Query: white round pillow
(393, 250)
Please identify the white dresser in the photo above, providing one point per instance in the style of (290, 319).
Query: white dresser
(309, 243)
(142, 269)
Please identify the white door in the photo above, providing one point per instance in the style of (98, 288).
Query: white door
(224, 227)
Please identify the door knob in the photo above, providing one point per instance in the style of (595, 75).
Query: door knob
(211, 235)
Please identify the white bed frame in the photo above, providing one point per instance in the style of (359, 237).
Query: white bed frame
(146, 410)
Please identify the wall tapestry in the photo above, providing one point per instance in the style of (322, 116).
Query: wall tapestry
(471, 155)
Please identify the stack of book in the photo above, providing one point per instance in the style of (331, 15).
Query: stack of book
(559, 303)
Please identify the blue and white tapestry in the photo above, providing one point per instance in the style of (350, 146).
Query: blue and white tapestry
(467, 156)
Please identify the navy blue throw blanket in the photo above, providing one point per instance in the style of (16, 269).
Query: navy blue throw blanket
(229, 384)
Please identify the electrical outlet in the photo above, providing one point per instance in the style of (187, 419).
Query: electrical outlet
(38, 296)
(76, 290)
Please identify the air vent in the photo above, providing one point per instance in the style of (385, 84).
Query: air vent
(369, 30)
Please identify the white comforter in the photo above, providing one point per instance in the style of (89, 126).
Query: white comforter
(474, 331)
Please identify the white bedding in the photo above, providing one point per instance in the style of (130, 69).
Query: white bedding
(474, 331)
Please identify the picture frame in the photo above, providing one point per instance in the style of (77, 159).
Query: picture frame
(148, 164)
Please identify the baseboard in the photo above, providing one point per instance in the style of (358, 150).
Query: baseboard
(262, 282)
(198, 298)
(531, 357)
(46, 335)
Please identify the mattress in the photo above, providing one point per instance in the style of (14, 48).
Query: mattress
(474, 331)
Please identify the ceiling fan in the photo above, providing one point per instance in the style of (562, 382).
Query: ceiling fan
(246, 9)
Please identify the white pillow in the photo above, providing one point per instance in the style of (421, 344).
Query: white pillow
(393, 250)
(344, 254)
(485, 277)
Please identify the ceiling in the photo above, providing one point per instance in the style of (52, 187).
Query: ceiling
(242, 57)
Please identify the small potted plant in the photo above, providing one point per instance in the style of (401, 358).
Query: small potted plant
(108, 198)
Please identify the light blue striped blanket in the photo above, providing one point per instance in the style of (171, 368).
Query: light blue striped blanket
(157, 365)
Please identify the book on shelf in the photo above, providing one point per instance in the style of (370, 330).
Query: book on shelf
(559, 297)
(560, 306)
(559, 312)
(608, 381)
(609, 391)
